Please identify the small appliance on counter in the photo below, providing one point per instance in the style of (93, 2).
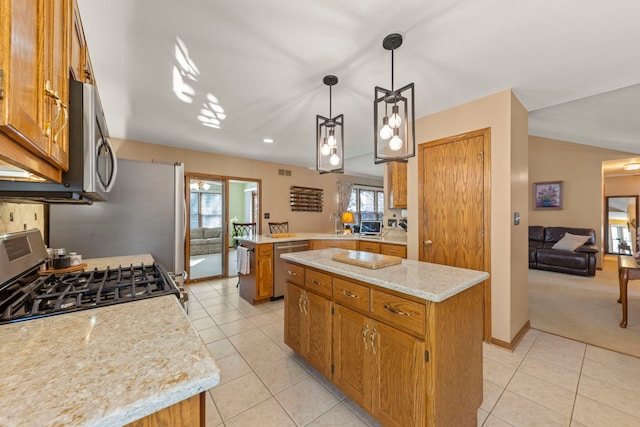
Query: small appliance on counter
(26, 294)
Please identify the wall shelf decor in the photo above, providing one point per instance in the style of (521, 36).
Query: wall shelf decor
(305, 199)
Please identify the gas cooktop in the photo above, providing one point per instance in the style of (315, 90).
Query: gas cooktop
(27, 295)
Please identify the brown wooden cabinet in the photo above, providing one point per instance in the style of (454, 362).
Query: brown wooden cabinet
(397, 182)
(379, 367)
(383, 248)
(392, 249)
(308, 326)
(188, 413)
(407, 361)
(334, 243)
(257, 286)
(372, 247)
(80, 67)
(34, 86)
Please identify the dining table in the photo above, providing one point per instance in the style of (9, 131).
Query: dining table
(628, 269)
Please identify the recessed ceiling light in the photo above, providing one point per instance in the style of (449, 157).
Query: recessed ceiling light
(268, 140)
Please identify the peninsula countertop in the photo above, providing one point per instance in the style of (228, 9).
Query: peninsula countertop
(101, 367)
(433, 282)
(293, 237)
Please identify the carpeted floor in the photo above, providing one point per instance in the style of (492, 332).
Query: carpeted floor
(585, 308)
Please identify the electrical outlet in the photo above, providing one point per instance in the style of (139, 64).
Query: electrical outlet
(516, 218)
(10, 216)
(267, 215)
(35, 216)
(24, 227)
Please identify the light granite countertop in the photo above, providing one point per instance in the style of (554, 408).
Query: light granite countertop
(266, 238)
(106, 366)
(433, 282)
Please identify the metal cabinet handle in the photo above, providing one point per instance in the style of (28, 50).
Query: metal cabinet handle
(315, 282)
(373, 338)
(394, 311)
(64, 123)
(53, 95)
(292, 273)
(427, 243)
(364, 335)
(300, 302)
(304, 306)
(349, 294)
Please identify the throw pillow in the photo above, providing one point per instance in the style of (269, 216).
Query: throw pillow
(570, 242)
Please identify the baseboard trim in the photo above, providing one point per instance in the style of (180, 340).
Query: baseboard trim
(516, 340)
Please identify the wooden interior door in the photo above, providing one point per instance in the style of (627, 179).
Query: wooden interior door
(454, 204)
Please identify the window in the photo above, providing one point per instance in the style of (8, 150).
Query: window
(206, 209)
(366, 203)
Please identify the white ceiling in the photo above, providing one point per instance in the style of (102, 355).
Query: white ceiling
(264, 61)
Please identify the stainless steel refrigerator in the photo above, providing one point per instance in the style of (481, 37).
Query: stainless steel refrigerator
(144, 214)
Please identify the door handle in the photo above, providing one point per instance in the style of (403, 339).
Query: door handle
(427, 243)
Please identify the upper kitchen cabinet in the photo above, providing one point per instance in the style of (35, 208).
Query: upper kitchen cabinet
(80, 67)
(34, 87)
(397, 177)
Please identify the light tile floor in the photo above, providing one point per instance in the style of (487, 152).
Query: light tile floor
(547, 381)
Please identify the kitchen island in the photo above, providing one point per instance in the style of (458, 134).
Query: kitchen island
(108, 366)
(403, 341)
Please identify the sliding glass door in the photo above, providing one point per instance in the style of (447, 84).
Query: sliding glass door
(215, 204)
(207, 242)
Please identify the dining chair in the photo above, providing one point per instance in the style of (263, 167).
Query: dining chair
(279, 227)
(244, 229)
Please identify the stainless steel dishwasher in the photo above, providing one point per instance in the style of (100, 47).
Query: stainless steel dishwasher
(280, 272)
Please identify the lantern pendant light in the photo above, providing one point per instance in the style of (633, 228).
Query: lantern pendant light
(329, 138)
(394, 134)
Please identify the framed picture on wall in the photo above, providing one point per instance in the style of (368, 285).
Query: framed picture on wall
(547, 195)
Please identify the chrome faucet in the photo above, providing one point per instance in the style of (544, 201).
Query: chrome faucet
(335, 218)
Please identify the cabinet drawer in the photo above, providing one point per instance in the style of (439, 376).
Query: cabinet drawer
(295, 274)
(395, 250)
(351, 294)
(398, 311)
(369, 247)
(318, 282)
(264, 250)
(334, 243)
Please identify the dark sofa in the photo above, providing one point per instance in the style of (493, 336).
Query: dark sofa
(542, 256)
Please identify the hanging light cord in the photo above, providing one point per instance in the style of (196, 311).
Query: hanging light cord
(330, 101)
(392, 69)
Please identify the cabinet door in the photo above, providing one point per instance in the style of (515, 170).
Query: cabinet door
(56, 75)
(264, 277)
(399, 394)
(351, 355)
(22, 64)
(293, 317)
(78, 46)
(318, 333)
(398, 174)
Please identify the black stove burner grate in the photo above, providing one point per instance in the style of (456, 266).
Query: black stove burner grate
(62, 293)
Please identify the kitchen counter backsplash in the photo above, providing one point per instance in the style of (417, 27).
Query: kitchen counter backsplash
(21, 216)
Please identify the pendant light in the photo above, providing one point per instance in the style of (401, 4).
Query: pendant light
(393, 117)
(329, 138)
